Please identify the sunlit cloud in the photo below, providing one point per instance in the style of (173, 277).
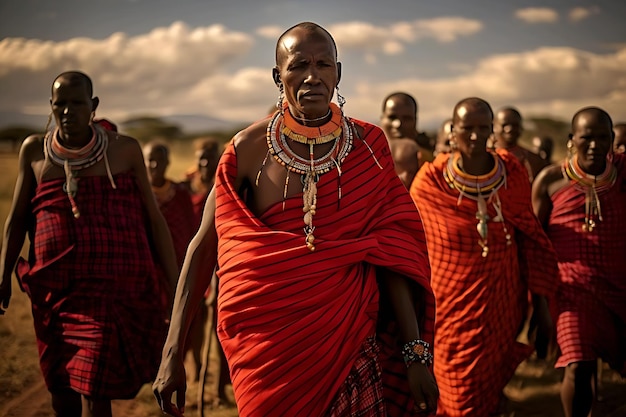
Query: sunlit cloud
(545, 81)
(581, 13)
(270, 32)
(537, 15)
(181, 70)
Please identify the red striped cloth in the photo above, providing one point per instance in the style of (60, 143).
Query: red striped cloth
(181, 219)
(481, 302)
(592, 294)
(292, 322)
(94, 289)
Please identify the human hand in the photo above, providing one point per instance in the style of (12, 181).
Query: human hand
(5, 294)
(541, 323)
(423, 387)
(171, 378)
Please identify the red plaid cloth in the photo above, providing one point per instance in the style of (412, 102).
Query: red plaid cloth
(94, 289)
(592, 295)
(361, 394)
(481, 302)
(180, 216)
(292, 322)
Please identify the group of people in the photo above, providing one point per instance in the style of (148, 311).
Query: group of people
(356, 271)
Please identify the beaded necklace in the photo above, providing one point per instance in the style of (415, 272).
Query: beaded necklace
(164, 193)
(317, 135)
(481, 188)
(309, 169)
(73, 160)
(592, 185)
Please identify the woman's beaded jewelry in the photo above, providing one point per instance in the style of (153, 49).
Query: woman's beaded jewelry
(417, 351)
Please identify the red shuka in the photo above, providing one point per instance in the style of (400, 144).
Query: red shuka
(292, 322)
(94, 289)
(481, 302)
(181, 219)
(592, 295)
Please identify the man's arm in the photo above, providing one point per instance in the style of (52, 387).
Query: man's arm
(421, 382)
(16, 225)
(195, 277)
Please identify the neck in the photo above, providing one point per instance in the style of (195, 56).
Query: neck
(477, 165)
(79, 140)
(594, 168)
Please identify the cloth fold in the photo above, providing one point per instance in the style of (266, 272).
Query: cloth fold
(96, 299)
(292, 322)
(481, 301)
(591, 309)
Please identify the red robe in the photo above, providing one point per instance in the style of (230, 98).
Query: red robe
(292, 322)
(94, 288)
(592, 295)
(180, 216)
(481, 302)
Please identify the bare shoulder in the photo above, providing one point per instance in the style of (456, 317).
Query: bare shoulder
(32, 148)
(251, 145)
(549, 180)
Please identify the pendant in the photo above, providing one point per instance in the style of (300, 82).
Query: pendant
(482, 227)
(72, 188)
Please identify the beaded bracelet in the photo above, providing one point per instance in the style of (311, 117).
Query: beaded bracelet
(417, 351)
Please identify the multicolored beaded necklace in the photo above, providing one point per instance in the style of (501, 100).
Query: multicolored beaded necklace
(73, 160)
(481, 188)
(592, 185)
(282, 127)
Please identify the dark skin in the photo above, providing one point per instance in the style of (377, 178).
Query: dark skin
(619, 144)
(399, 120)
(308, 70)
(72, 106)
(405, 154)
(507, 130)
(591, 139)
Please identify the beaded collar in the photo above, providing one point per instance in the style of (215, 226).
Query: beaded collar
(325, 133)
(73, 160)
(481, 188)
(164, 193)
(592, 185)
(309, 169)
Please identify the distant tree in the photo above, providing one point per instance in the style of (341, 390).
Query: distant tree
(146, 128)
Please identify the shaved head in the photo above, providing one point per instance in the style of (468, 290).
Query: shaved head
(470, 103)
(311, 27)
(591, 111)
(73, 77)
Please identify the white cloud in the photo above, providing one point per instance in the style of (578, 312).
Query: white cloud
(134, 73)
(391, 39)
(537, 15)
(545, 81)
(180, 70)
(581, 13)
(270, 32)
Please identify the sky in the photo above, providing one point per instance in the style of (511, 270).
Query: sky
(214, 58)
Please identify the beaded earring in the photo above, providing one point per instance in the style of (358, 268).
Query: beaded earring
(279, 102)
(340, 99)
(570, 148)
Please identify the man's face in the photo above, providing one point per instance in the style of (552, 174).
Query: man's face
(309, 72)
(207, 163)
(71, 106)
(507, 127)
(156, 163)
(471, 129)
(592, 138)
(399, 119)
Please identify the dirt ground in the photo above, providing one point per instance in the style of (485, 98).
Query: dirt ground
(534, 391)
